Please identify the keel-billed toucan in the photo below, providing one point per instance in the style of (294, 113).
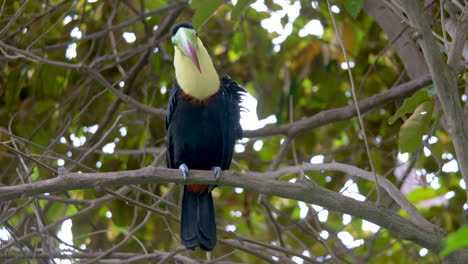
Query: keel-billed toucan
(202, 124)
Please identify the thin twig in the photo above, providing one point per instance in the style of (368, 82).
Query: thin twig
(353, 90)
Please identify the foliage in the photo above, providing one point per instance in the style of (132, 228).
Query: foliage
(456, 240)
(58, 114)
(203, 9)
(353, 6)
(409, 105)
(415, 128)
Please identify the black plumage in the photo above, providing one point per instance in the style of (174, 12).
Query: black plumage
(201, 134)
(179, 25)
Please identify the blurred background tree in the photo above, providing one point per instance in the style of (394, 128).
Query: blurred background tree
(84, 84)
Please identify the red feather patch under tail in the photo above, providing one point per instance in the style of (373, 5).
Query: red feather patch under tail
(197, 188)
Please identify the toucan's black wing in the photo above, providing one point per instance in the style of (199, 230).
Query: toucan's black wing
(231, 128)
(175, 92)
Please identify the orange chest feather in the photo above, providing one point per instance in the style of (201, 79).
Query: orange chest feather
(196, 101)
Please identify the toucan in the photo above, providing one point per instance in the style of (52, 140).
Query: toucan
(202, 122)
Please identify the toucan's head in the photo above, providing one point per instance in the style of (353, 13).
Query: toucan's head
(194, 69)
(184, 37)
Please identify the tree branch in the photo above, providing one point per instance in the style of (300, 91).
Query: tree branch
(459, 39)
(445, 81)
(262, 183)
(406, 48)
(125, 24)
(117, 257)
(396, 195)
(342, 113)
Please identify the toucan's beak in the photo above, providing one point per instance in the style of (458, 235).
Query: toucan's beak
(192, 53)
(186, 40)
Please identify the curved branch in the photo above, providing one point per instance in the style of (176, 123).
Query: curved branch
(391, 189)
(399, 36)
(445, 81)
(262, 183)
(124, 257)
(342, 113)
(320, 119)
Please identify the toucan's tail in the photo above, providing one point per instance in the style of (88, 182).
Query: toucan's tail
(197, 226)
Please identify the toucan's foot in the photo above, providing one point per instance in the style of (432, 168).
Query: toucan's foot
(217, 171)
(184, 170)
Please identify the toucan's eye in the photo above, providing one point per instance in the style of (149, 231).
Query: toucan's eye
(196, 34)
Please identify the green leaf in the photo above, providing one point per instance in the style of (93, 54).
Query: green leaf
(423, 193)
(43, 106)
(455, 241)
(237, 10)
(354, 7)
(409, 105)
(55, 211)
(35, 174)
(154, 4)
(415, 127)
(203, 10)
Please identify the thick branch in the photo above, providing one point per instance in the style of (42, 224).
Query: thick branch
(117, 257)
(391, 189)
(407, 50)
(459, 39)
(445, 81)
(323, 117)
(342, 113)
(261, 183)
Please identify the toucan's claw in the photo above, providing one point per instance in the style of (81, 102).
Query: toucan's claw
(184, 170)
(217, 171)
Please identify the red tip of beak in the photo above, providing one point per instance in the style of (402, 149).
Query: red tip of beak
(193, 55)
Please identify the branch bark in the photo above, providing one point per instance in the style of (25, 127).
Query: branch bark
(459, 40)
(342, 113)
(445, 81)
(260, 182)
(117, 257)
(391, 189)
(406, 48)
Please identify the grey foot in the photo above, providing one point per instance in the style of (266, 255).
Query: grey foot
(217, 171)
(217, 174)
(184, 170)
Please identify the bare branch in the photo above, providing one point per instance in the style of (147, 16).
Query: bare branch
(342, 113)
(445, 81)
(117, 257)
(262, 183)
(353, 92)
(459, 40)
